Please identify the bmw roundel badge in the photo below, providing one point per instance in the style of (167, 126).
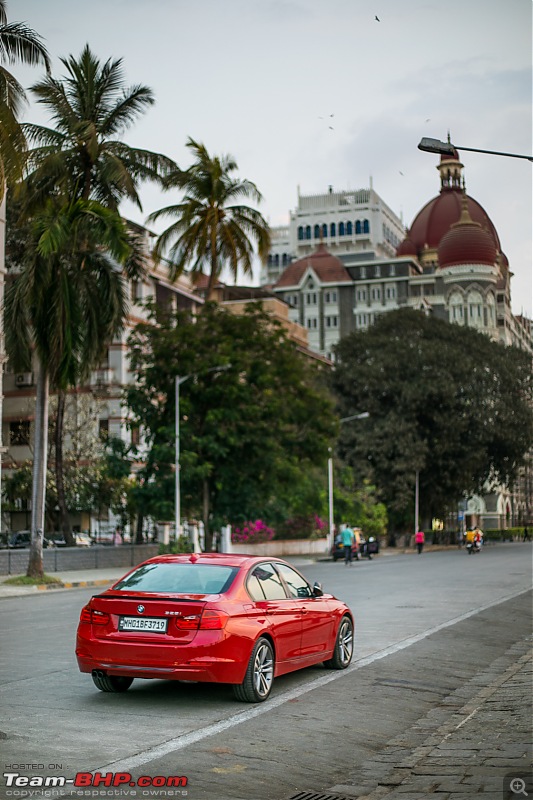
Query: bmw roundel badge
(140, 609)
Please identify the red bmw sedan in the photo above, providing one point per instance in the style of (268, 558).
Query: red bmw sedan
(224, 618)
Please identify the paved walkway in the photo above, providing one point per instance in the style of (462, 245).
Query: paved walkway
(478, 742)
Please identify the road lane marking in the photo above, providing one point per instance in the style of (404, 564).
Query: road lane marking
(186, 739)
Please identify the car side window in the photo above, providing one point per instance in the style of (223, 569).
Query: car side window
(264, 584)
(298, 586)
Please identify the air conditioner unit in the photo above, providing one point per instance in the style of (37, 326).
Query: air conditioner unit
(24, 379)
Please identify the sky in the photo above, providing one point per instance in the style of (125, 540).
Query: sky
(260, 79)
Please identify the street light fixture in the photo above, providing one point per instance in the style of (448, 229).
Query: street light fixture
(447, 148)
(178, 381)
(362, 415)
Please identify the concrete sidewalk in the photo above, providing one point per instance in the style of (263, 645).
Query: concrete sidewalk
(478, 742)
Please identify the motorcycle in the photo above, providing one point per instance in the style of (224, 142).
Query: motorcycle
(473, 547)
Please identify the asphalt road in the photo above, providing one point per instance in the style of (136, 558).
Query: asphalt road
(426, 626)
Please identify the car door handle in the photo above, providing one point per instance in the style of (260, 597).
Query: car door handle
(303, 610)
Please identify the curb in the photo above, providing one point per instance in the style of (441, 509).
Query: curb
(72, 585)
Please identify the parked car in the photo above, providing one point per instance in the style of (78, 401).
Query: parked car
(21, 539)
(212, 617)
(81, 540)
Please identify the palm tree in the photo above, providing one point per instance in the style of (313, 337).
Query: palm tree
(22, 44)
(64, 306)
(212, 229)
(84, 155)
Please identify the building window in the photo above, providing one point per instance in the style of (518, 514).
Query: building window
(361, 294)
(325, 231)
(332, 322)
(358, 226)
(378, 271)
(349, 229)
(332, 229)
(136, 436)
(317, 231)
(362, 273)
(341, 228)
(103, 429)
(392, 270)
(312, 323)
(308, 232)
(19, 433)
(366, 226)
(300, 233)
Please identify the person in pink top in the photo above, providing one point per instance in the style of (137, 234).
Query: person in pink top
(419, 541)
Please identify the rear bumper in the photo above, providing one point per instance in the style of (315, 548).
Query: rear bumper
(222, 661)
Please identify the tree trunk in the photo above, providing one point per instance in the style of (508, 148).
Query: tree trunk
(40, 459)
(64, 519)
(208, 543)
(139, 533)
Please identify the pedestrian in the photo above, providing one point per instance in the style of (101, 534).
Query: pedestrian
(347, 541)
(526, 537)
(419, 541)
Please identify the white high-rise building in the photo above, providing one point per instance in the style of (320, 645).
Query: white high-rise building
(353, 225)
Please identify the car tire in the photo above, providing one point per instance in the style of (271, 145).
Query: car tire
(257, 683)
(342, 654)
(111, 683)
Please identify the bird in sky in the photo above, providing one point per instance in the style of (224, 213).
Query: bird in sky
(401, 173)
(331, 115)
(377, 19)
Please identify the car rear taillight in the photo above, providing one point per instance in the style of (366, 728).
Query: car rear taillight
(93, 616)
(188, 623)
(206, 621)
(213, 620)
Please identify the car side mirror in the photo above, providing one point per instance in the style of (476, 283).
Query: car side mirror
(317, 590)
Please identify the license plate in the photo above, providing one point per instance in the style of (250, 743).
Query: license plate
(153, 624)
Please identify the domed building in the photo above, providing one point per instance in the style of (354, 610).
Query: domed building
(465, 275)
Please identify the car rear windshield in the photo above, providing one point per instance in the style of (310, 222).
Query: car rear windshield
(179, 579)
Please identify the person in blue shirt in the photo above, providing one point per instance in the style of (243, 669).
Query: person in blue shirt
(348, 539)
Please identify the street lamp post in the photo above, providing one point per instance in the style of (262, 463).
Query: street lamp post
(331, 536)
(447, 148)
(177, 383)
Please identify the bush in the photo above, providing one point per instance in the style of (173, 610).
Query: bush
(503, 534)
(179, 545)
(303, 527)
(252, 533)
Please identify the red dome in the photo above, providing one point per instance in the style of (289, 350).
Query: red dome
(437, 217)
(406, 248)
(466, 243)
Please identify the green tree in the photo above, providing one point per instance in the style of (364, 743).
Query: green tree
(84, 156)
(443, 400)
(212, 229)
(246, 433)
(18, 43)
(62, 308)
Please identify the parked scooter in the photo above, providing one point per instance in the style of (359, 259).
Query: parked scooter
(368, 547)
